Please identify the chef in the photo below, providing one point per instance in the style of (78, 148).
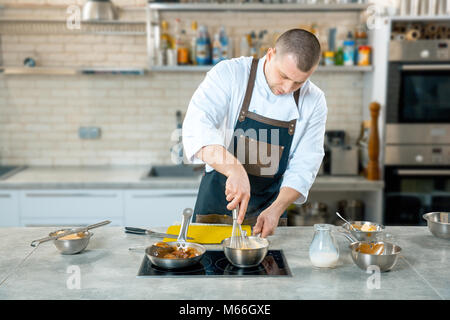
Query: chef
(258, 125)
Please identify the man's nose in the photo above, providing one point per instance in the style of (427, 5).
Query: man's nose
(287, 87)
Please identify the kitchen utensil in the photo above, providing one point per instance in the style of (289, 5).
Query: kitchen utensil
(152, 233)
(58, 234)
(251, 256)
(238, 238)
(438, 224)
(364, 235)
(351, 227)
(206, 233)
(98, 10)
(180, 243)
(72, 246)
(384, 254)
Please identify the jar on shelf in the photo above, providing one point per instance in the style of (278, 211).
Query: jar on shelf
(323, 251)
(364, 55)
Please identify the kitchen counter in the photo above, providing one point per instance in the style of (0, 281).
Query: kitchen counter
(108, 270)
(129, 177)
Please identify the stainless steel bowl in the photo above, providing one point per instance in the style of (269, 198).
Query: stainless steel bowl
(71, 246)
(438, 224)
(385, 261)
(365, 235)
(246, 258)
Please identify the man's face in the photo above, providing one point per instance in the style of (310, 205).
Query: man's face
(282, 73)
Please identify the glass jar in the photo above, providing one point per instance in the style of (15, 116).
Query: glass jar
(323, 251)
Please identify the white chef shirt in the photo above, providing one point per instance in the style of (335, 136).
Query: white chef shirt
(214, 109)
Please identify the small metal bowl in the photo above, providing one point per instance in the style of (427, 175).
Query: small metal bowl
(364, 235)
(246, 258)
(438, 224)
(71, 246)
(385, 261)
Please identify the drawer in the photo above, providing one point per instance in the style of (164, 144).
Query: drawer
(9, 208)
(157, 208)
(71, 205)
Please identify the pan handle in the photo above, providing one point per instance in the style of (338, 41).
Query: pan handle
(37, 242)
(348, 235)
(187, 215)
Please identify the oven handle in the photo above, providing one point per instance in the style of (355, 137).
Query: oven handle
(423, 172)
(426, 67)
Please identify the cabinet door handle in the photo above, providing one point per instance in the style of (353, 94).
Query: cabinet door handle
(183, 195)
(78, 195)
(5, 195)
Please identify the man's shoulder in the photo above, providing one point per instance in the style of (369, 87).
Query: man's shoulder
(314, 91)
(234, 66)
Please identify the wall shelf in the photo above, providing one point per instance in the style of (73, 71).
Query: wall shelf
(207, 68)
(61, 71)
(53, 26)
(272, 7)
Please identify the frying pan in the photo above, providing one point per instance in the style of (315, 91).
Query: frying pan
(153, 250)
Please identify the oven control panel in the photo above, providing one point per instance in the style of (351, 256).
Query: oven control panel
(417, 155)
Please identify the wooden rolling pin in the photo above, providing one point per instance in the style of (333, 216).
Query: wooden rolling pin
(373, 168)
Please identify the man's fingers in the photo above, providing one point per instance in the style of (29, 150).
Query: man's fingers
(243, 209)
(258, 226)
(231, 196)
(233, 203)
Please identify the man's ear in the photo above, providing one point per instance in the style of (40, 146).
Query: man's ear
(271, 53)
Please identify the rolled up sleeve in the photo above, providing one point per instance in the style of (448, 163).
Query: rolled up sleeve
(203, 123)
(305, 160)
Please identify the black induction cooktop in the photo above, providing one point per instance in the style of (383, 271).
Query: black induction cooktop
(215, 264)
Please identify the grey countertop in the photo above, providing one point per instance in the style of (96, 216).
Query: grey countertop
(129, 177)
(108, 270)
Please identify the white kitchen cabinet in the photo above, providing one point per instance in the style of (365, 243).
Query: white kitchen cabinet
(157, 208)
(70, 207)
(9, 208)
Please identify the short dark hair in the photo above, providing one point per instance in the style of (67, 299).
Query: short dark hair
(303, 45)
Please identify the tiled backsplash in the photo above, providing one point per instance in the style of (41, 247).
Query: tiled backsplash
(40, 114)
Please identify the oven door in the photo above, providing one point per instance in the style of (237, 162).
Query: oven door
(418, 93)
(411, 191)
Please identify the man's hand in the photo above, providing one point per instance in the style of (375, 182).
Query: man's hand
(237, 190)
(267, 221)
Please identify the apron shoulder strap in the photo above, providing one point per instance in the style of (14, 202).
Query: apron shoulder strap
(296, 96)
(249, 91)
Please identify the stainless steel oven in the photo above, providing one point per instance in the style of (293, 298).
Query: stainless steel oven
(418, 82)
(417, 154)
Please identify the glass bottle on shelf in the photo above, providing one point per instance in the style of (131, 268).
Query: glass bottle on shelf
(193, 43)
(323, 251)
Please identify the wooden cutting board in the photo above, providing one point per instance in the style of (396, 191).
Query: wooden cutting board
(206, 233)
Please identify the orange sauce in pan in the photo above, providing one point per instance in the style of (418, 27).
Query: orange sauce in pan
(172, 252)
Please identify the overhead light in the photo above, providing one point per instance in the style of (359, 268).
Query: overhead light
(98, 10)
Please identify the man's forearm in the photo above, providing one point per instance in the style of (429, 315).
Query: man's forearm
(220, 159)
(285, 198)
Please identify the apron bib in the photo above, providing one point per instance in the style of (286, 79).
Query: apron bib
(264, 160)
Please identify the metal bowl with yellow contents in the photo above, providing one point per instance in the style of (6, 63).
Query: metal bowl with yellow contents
(364, 230)
(72, 243)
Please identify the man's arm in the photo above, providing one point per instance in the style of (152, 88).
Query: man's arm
(237, 188)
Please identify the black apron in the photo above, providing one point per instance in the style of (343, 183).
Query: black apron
(252, 132)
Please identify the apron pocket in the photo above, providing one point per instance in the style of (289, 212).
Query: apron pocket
(258, 158)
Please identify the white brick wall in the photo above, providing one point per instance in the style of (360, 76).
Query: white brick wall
(40, 115)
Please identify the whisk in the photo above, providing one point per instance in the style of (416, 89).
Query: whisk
(238, 237)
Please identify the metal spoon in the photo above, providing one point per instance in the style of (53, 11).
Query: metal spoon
(346, 221)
